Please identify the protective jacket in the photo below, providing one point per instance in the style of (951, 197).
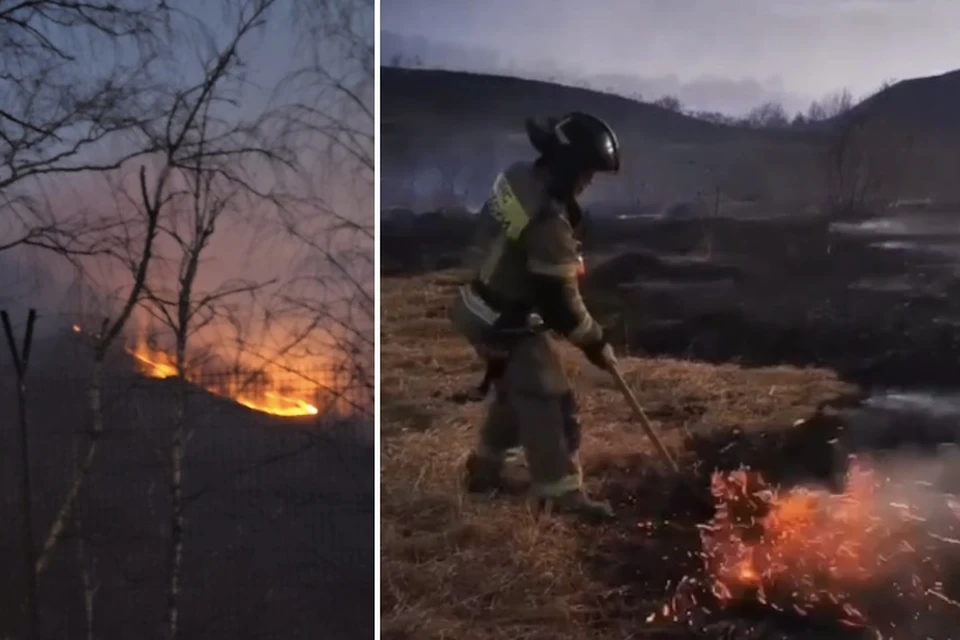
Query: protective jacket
(526, 266)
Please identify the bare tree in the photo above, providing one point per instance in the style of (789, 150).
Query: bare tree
(331, 285)
(59, 113)
(715, 117)
(211, 159)
(183, 164)
(830, 106)
(671, 103)
(867, 160)
(886, 84)
(137, 259)
(769, 115)
(192, 148)
(62, 116)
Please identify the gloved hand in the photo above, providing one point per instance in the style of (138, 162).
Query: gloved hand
(600, 354)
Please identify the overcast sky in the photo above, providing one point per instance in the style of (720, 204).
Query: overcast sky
(720, 54)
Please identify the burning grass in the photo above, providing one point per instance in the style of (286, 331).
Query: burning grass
(781, 556)
(257, 391)
(878, 557)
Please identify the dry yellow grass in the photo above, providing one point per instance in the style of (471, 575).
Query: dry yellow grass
(459, 566)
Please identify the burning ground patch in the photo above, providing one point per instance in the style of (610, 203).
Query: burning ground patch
(879, 556)
(872, 554)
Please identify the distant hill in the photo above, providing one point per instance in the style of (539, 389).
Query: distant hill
(414, 98)
(924, 104)
(445, 134)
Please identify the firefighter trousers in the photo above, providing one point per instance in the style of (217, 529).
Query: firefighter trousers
(534, 407)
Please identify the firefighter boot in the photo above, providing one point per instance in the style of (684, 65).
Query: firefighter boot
(579, 504)
(484, 473)
(489, 475)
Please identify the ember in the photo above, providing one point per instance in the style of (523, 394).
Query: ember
(845, 556)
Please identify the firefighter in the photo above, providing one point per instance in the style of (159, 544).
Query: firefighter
(525, 287)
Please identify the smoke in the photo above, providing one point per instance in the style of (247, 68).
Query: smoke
(916, 506)
(927, 486)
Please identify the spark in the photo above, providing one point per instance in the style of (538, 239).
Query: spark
(810, 551)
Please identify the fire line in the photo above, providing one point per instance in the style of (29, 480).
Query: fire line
(157, 364)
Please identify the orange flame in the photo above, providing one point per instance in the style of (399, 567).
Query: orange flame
(158, 364)
(809, 550)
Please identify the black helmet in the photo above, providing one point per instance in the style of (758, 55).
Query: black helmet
(582, 138)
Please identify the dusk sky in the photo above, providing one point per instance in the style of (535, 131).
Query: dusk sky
(714, 54)
(248, 240)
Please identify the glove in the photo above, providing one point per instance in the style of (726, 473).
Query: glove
(600, 354)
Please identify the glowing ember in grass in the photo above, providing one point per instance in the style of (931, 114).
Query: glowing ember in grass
(157, 364)
(845, 556)
(803, 542)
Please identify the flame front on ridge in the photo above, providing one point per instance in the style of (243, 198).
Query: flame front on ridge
(154, 363)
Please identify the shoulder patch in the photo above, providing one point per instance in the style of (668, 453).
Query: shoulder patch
(506, 208)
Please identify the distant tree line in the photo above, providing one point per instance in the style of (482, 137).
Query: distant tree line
(772, 114)
(768, 115)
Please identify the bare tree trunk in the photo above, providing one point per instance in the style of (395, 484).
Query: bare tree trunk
(108, 333)
(95, 395)
(176, 497)
(21, 361)
(90, 587)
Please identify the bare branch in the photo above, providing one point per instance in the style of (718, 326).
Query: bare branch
(866, 162)
(331, 285)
